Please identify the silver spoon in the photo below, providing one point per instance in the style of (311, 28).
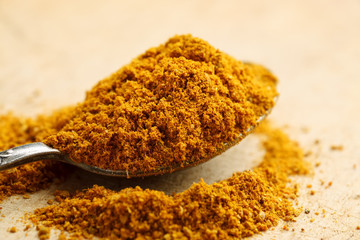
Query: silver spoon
(39, 151)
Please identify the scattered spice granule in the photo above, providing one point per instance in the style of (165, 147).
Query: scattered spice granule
(26, 196)
(309, 186)
(337, 147)
(308, 153)
(43, 232)
(286, 227)
(27, 227)
(329, 184)
(312, 220)
(317, 213)
(317, 164)
(302, 230)
(237, 207)
(13, 230)
(312, 192)
(357, 227)
(307, 211)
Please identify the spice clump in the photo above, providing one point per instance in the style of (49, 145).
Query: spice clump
(173, 105)
(234, 208)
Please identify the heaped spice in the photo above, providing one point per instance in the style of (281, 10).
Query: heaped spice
(237, 207)
(173, 105)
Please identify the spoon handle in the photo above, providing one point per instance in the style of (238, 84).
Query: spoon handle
(32, 152)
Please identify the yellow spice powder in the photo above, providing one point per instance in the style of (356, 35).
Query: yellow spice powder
(237, 207)
(31, 177)
(174, 105)
(178, 102)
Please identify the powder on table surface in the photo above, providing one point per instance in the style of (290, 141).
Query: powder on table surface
(27, 178)
(173, 105)
(237, 207)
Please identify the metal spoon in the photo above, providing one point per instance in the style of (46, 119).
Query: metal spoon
(39, 151)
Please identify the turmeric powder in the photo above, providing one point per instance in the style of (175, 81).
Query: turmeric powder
(237, 207)
(179, 102)
(173, 105)
(176, 103)
(31, 177)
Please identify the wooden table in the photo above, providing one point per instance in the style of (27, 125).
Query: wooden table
(51, 52)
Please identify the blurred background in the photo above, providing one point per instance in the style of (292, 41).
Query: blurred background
(63, 48)
(52, 52)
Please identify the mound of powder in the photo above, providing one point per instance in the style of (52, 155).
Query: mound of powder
(173, 105)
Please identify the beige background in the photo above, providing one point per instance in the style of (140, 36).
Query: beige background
(51, 52)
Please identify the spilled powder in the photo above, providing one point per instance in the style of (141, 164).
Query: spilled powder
(245, 204)
(27, 178)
